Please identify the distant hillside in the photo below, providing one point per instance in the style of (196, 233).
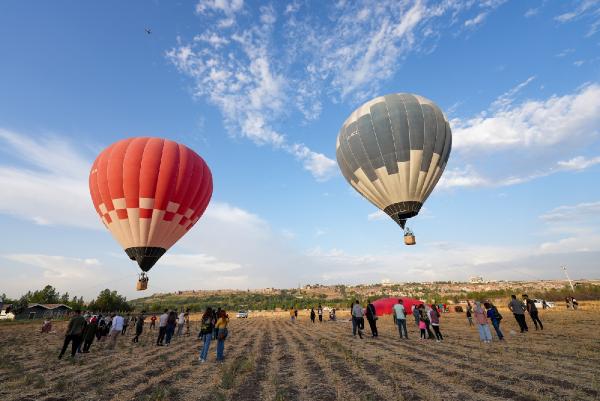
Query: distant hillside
(342, 295)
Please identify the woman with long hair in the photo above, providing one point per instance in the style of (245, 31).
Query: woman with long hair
(482, 323)
(221, 326)
(206, 328)
(171, 324)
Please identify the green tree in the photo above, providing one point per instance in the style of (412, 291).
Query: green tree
(109, 301)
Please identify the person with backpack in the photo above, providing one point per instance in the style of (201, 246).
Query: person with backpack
(533, 311)
(206, 329)
(434, 318)
(312, 315)
(371, 316)
(495, 317)
(221, 326)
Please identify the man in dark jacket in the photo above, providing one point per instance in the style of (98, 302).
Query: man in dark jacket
(89, 333)
(74, 334)
(139, 327)
(372, 318)
(533, 311)
(516, 307)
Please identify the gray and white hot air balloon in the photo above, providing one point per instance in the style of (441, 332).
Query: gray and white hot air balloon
(393, 150)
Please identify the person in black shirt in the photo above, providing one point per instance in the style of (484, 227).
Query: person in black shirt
(533, 311)
(372, 318)
(312, 315)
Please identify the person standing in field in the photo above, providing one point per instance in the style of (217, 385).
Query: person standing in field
(89, 333)
(171, 324)
(221, 326)
(320, 313)
(533, 311)
(180, 323)
(312, 315)
(115, 330)
(216, 314)
(358, 320)
(206, 328)
(162, 327)
(125, 323)
(296, 313)
(574, 303)
(139, 327)
(424, 316)
(187, 322)
(47, 325)
(516, 307)
(292, 315)
(469, 313)
(372, 318)
(494, 316)
(400, 318)
(434, 317)
(73, 334)
(416, 315)
(153, 321)
(482, 323)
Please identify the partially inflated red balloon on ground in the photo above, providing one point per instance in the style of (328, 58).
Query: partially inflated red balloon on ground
(384, 306)
(149, 192)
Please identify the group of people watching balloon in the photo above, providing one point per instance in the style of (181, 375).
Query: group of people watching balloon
(83, 329)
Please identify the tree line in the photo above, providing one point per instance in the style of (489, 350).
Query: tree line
(106, 301)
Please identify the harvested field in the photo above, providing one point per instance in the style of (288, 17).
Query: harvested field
(270, 358)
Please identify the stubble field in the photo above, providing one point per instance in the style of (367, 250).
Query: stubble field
(270, 358)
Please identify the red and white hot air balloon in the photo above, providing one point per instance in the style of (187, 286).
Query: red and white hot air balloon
(149, 192)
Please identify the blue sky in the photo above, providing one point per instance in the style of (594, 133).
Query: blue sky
(260, 90)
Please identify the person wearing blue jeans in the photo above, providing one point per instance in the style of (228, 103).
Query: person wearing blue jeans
(400, 318)
(221, 326)
(495, 317)
(206, 332)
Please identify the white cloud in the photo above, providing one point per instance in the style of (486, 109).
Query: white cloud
(50, 185)
(531, 12)
(59, 267)
(533, 123)
(476, 20)
(578, 163)
(253, 76)
(578, 63)
(199, 262)
(584, 10)
(378, 215)
(573, 213)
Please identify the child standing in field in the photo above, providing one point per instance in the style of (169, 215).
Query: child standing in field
(422, 327)
(153, 322)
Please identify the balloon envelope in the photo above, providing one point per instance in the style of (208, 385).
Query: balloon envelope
(384, 306)
(393, 150)
(148, 193)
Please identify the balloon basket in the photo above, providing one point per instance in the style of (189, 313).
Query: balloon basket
(142, 283)
(409, 239)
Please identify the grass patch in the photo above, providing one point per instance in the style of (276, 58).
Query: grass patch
(234, 370)
(162, 393)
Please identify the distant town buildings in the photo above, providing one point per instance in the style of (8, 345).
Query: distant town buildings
(476, 280)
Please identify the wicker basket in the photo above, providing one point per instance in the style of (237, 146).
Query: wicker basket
(409, 239)
(142, 284)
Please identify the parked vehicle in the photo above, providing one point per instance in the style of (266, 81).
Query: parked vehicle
(242, 314)
(539, 303)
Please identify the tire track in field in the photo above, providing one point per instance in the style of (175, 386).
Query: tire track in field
(194, 373)
(345, 361)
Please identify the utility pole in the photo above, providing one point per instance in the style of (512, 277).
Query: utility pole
(568, 278)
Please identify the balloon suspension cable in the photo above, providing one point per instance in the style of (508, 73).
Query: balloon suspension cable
(407, 231)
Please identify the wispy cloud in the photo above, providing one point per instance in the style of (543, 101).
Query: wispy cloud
(259, 78)
(585, 10)
(580, 211)
(47, 184)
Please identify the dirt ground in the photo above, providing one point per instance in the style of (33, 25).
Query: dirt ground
(270, 358)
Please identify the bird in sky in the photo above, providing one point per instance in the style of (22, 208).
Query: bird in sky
(148, 30)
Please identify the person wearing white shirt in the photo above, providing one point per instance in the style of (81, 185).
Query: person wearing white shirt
(180, 323)
(115, 330)
(162, 327)
(400, 318)
(358, 321)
